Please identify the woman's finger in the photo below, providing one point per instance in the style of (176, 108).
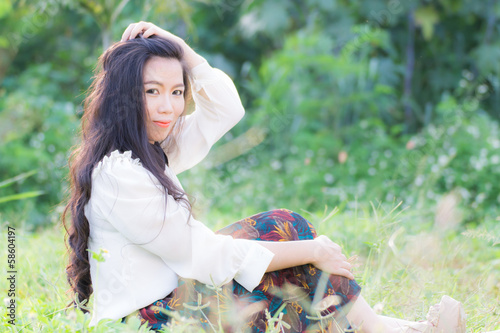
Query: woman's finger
(139, 27)
(347, 266)
(343, 272)
(347, 274)
(126, 33)
(149, 32)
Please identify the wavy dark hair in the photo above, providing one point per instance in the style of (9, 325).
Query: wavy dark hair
(114, 118)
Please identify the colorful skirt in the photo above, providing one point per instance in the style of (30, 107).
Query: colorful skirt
(297, 299)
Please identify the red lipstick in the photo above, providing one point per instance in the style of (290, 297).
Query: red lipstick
(163, 124)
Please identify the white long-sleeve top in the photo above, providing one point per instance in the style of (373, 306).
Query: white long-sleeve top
(151, 244)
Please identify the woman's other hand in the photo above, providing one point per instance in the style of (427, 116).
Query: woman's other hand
(329, 258)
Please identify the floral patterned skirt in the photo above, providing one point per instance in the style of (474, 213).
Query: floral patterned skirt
(297, 299)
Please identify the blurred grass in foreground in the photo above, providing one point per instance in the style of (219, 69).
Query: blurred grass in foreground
(406, 263)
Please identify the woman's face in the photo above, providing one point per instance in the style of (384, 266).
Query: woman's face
(164, 91)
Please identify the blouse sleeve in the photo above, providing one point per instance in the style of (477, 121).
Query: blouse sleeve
(131, 199)
(211, 119)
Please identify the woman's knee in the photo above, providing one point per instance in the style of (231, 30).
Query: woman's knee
(303, 227)
(276, 224)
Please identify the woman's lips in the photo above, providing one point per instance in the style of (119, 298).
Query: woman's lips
(163, 124)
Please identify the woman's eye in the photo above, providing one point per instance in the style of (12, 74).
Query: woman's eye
(178, 92)
(152, 91)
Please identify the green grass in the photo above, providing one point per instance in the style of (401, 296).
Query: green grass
(405, 265)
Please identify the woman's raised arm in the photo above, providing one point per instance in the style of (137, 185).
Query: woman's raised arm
(217, 103)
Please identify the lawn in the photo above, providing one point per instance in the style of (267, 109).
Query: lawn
(407, 260)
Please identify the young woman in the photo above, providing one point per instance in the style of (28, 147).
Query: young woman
(133, 241)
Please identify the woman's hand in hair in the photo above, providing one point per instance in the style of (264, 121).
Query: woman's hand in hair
(148, 29)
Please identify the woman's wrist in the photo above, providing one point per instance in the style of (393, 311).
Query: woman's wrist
(192, 58)
(315, 252)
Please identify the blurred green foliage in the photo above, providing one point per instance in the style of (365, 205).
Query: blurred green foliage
(357, 101)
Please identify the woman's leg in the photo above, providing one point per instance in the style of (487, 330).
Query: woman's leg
(446, 317)
(364, 318)
(285, 225)
(308, 298)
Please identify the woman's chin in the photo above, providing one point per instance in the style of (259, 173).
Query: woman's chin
(160, 137)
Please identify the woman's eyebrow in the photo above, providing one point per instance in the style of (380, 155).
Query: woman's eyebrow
(161, 84)
(154, 82)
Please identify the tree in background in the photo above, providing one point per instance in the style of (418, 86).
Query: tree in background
(379, 100)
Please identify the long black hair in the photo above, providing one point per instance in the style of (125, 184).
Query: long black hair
(114, 119)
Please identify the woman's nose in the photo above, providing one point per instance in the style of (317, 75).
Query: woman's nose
(166, 105)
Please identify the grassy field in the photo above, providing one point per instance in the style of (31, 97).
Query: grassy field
(407, 260)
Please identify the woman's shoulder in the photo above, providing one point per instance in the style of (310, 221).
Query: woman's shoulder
(120, 170)
(117, 160)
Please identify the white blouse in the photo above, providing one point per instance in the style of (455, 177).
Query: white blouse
(151, 244)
